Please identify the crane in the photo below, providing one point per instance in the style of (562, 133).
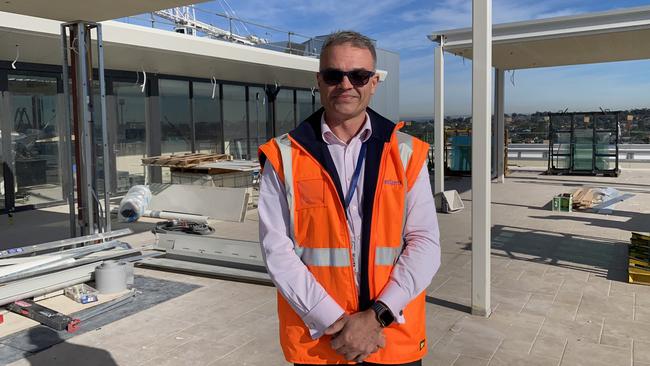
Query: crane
(184, 17)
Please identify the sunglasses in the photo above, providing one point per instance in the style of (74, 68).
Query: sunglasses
(357, 77)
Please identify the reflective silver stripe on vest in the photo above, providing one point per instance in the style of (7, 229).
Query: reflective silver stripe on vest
(387, 256)
(287, 167)
(405, 144)
(324, 257)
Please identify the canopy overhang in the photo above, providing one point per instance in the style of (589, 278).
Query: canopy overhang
(88, 10)
(619, 35)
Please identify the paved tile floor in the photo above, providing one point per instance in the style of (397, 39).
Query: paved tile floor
(559, 295)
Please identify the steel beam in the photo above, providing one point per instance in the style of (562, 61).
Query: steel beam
(481, 138)
(106, 159)
(21, 251)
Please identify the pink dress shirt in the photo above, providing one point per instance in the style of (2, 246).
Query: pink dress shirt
(412, 273)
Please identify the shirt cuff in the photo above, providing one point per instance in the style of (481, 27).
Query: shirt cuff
(321, 316)
(395, 299)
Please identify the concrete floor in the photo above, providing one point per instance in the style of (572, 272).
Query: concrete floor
(559, 295)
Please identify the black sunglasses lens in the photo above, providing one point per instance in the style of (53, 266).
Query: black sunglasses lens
(332, 77)
(359, 77)
(356, 77)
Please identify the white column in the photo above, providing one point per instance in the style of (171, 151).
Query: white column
(499, 115)
(481, 137)
(439, 119)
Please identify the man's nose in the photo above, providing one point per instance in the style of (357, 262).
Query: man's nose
(345, 83)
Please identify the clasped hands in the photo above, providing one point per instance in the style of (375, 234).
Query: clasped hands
(356, 336)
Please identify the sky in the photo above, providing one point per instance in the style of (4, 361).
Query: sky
(402, 26)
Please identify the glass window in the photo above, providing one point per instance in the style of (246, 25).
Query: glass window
(34, 136)
(284, 113)
(206, 111)
(234, 120)
(175, 116)
(317, 104)
(257, 107)
(130, 144)
(303, 104)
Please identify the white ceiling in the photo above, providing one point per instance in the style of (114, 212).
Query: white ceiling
(618, 35)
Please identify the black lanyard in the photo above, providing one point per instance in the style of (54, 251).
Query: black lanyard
(355, 176)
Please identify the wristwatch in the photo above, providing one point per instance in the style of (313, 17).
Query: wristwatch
(382, 312)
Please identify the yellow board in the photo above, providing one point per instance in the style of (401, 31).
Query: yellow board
(638, 276)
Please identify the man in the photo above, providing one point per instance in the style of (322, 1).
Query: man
(347, 223)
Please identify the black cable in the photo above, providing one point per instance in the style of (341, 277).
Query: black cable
(185, 227)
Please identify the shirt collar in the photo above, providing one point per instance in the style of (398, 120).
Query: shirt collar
(330, 138)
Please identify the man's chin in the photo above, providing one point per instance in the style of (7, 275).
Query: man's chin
(347, 110)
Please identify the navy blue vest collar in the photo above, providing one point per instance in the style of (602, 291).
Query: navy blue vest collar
(308, 134)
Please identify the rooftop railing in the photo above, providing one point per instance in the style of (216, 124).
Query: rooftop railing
(272, 38)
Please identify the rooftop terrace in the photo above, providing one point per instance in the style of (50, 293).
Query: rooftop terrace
(559, 290)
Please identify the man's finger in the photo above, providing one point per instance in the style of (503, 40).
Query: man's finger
(362, 357)
(382, 340)
(338, 344)
(336, 326)
(351, 356)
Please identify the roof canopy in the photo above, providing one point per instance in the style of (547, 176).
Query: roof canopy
(133, 48)
(618, 35)
(87, 10)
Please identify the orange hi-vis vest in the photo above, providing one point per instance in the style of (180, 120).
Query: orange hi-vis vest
(319, 230)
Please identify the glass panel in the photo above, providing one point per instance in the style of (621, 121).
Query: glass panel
(560, 122)
(207, 118)
(459, 152)
(175, 124)
(583, 147)
(303, 104)
(317, 104)
(257, 108)
(130, 144)
(606, 122)
(284, 116)
(35, 139)
(234, 119)
(606, 162)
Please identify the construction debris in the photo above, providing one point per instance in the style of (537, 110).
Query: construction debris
(219, 203)
(44, 315)
(599, 200)
(639, 259)
(563, 202)
(81, 293)
(184, 160)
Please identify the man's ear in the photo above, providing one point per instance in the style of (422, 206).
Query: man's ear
(374, 82)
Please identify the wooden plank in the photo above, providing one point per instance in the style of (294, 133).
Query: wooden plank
(184, 160)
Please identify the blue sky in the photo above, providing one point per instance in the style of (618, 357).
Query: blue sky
(402, 26)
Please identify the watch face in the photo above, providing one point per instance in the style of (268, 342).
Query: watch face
(386, 317)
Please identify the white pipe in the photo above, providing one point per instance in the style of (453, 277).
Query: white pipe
(439, 119)
(176, 216)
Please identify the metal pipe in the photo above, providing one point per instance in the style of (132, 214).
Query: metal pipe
(13, 252)
(76, 131)
(107, 157)
(67, 134)
(40, 285)
(86, 142)
(439, 119)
